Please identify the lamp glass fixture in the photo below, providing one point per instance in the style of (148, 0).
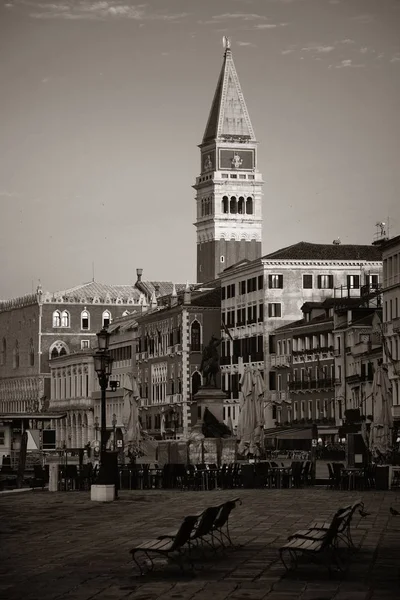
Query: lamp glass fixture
(103, 338)
(102, 363)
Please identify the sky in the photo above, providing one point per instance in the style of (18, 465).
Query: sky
(103, 104)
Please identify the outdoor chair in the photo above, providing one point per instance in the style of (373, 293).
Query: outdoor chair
(39, 477)
(167, 546)
(340, 479)
(332, 480)
(247, 476)
(306, 477)
(323, 546)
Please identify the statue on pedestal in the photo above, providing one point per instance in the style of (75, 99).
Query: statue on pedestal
(210, 361)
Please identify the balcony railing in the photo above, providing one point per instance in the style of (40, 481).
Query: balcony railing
(278, 396)
(280, 360)
(313, 384)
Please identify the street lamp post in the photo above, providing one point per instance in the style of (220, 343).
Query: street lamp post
(96, 427)
(114, 425)
(103, 368)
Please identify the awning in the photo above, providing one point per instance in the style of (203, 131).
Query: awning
(35, 416)
(289, 434)
(328, 430)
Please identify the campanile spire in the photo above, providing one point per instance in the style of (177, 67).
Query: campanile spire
(229, 188)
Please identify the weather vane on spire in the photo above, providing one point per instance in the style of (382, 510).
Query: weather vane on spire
(226, 42)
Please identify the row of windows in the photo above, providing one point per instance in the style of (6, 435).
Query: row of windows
(206, 206)
(228, 317)
(234, 176)
(237, 206)
(123, 353)
(322, 409)
(63, 319)
(16, 354)
(275, 281)
(391, 309)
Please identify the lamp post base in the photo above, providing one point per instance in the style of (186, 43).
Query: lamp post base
(102, 493)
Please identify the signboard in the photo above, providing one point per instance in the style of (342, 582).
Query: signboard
(49, 439)
(314, 443)
(119, 443)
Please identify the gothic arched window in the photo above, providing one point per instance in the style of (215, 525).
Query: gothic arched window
(233, 205)
(196, 382)
(16, 355)
(195, 337)
(31, 353)
(56, 318)
(249, 206)
(225, 205)
(85, 320)
(58, 349)
(106, 318)
(65, 319)
(241, 206)
(3, 357)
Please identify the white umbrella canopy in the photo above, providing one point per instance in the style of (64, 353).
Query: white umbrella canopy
(381, 428)
(130, 413)
(251, 417)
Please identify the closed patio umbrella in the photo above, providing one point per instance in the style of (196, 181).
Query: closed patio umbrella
(381, 428)
(251, 417)
(130, 413)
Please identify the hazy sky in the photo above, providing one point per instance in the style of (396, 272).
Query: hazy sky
(103, 105)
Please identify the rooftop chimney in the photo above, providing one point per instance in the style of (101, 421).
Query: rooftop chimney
(139, 273)
(174, 296)
(337, 242)
(187, 295)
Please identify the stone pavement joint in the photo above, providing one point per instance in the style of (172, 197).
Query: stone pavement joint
(64, 547)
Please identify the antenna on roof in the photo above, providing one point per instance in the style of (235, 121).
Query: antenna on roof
(93, 270)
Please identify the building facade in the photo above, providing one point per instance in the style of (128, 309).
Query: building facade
(229, 187)
(301, 379)
(391, 317)
(169, 353)
(75, 389)
(259, 296)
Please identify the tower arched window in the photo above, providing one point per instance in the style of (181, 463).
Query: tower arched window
(225, 205)
(56, 318)
(3, 357)
(196, 382)
(195, 336)
(85, 320)
(106, 318)
(233, 205)
(241, 206)
(249, 206)
(16, 355)
(31, 353)
(65, 319)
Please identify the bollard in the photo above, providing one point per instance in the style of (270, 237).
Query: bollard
(53, 477)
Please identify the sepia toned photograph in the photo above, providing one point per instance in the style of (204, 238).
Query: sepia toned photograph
(199, 304)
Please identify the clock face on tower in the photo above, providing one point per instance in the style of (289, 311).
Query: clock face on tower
(236, 159)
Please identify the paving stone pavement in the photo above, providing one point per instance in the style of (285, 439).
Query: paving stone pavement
(62, 546)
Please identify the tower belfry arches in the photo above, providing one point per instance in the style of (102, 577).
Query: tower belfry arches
(230, 229)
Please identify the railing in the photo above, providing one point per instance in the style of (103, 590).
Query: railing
(312, 384)
(280, 360)
(278, 397)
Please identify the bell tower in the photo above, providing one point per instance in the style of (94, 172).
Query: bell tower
(229, 187)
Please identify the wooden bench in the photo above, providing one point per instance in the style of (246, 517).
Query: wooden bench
(320, 544)
(316, 528)
(213, 522)
(169, 545)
